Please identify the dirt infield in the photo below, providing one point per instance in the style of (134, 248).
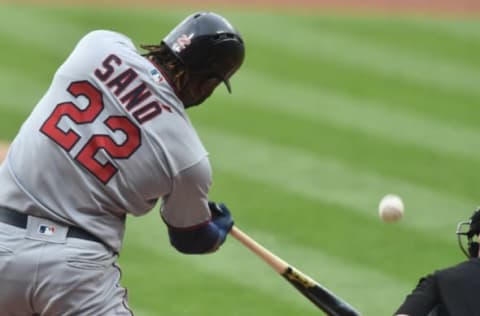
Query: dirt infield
(449, 7)
(391, 6)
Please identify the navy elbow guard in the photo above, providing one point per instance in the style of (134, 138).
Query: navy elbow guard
(206, 238)
(196, 240)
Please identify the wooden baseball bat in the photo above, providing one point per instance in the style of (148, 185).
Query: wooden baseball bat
(328, 302)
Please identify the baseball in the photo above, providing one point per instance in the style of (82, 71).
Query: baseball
(391, 208)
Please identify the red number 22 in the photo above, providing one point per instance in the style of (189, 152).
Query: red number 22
(68, 139)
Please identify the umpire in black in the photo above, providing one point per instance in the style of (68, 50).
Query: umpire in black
(453, 291)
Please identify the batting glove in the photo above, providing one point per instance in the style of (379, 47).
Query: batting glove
(221, 217)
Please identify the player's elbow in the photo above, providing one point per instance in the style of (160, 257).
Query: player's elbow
(198, 240)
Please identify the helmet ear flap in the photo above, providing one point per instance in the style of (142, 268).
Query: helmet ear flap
(473, 248)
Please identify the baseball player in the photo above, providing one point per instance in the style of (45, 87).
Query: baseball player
(109, 138)
(451, 291)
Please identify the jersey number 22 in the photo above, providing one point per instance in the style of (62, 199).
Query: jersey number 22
(88, 115)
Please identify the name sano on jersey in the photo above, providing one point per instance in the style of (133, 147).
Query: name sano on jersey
(135, 97)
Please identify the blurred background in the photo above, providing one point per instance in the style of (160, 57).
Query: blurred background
(337, 104)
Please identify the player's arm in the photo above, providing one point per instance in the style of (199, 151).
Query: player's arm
(423, 299)
(195, 225)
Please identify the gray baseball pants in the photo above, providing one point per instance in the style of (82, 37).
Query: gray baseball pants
(42, 272)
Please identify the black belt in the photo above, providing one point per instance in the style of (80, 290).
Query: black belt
(18, 219)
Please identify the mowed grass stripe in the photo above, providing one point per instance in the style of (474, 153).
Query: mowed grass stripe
(466, 30)
(314, 70)
(33, 28)
(427, 36)
(359, 151)
(151, 25)
(337, 47)
(361, 84)
(329, 180)
(31, 91)
(370, 117)
(143, 312)
(237, 266)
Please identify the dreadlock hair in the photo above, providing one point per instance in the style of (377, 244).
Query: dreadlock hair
(161, 55)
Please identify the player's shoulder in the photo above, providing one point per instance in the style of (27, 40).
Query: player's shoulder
(199, 171)
(179, 139)
(466, 266)
(105, 37)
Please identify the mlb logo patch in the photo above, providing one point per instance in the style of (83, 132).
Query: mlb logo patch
(46, 230)
(157, 77)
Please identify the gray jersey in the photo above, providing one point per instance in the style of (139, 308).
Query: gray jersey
(109, 137)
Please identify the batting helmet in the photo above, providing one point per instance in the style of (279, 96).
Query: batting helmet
(208, 45)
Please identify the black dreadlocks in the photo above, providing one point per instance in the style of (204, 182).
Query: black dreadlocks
(162, 56)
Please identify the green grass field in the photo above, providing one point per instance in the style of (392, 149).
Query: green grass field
(328, 114)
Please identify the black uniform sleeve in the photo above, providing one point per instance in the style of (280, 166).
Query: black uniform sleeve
(423, 299)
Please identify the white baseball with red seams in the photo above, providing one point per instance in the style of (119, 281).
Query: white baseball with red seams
(391, 208)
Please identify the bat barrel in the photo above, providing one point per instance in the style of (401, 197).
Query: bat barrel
(327, 301)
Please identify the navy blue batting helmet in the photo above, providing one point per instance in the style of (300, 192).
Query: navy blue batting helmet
(206, 43)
